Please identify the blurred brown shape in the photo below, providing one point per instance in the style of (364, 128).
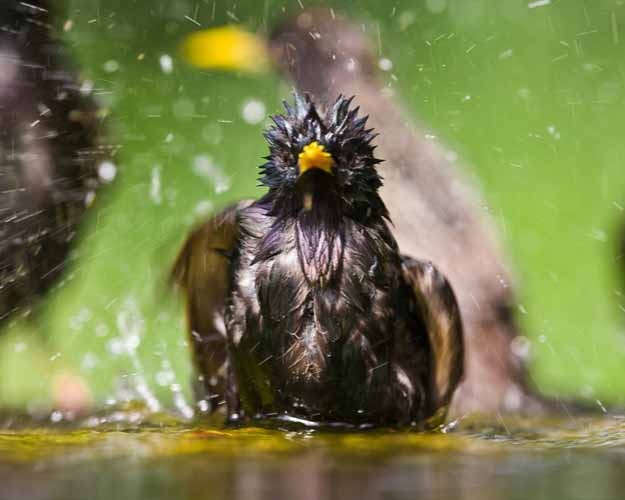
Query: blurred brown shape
(202, 271)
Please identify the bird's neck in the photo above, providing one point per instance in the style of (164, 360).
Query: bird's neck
(319, 217)
(319, 235)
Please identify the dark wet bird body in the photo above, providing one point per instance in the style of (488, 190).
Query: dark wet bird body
(323, 334)
(48, 153)
(325, 320)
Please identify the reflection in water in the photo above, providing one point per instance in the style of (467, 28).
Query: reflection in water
(572, 460)
(314, 475)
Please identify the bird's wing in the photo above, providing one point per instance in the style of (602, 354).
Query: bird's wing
(441, 315)
(202, 272)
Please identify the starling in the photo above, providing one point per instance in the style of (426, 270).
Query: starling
(437, 215)
(48, 153)
(301, 304)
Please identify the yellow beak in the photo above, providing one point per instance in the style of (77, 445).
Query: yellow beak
(227, 48)
(314, 155)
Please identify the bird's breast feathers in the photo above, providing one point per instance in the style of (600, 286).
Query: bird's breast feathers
(313, 294)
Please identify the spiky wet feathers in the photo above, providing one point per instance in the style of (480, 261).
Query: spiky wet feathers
(318, 317)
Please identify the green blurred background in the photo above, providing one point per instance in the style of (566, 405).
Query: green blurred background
(531, 94)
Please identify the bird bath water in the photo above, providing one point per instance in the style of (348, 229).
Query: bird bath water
(502, 459)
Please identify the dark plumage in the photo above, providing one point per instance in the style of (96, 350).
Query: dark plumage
(48, 153)
(324, 319)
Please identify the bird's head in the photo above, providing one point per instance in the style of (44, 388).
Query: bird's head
(326, 153)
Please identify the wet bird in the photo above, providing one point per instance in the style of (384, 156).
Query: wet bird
(50, 142)
(437, 214)
(301, 305)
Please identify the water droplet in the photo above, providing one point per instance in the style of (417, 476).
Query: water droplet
(107, 171)
(205, 167)
(436, 6)
(385, 64)
(521, 347)
(406, 19)
(111, 66)
(253, 111)
(86, 87)
(56, 416)
(167, 64)
(89, 198)
(89, 361)
(203, 207)
(164, 377)
(183, 109)
(155, 186)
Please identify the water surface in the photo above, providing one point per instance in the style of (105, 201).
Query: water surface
(512, 459)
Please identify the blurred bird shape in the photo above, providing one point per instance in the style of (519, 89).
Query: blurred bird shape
(50, 146)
